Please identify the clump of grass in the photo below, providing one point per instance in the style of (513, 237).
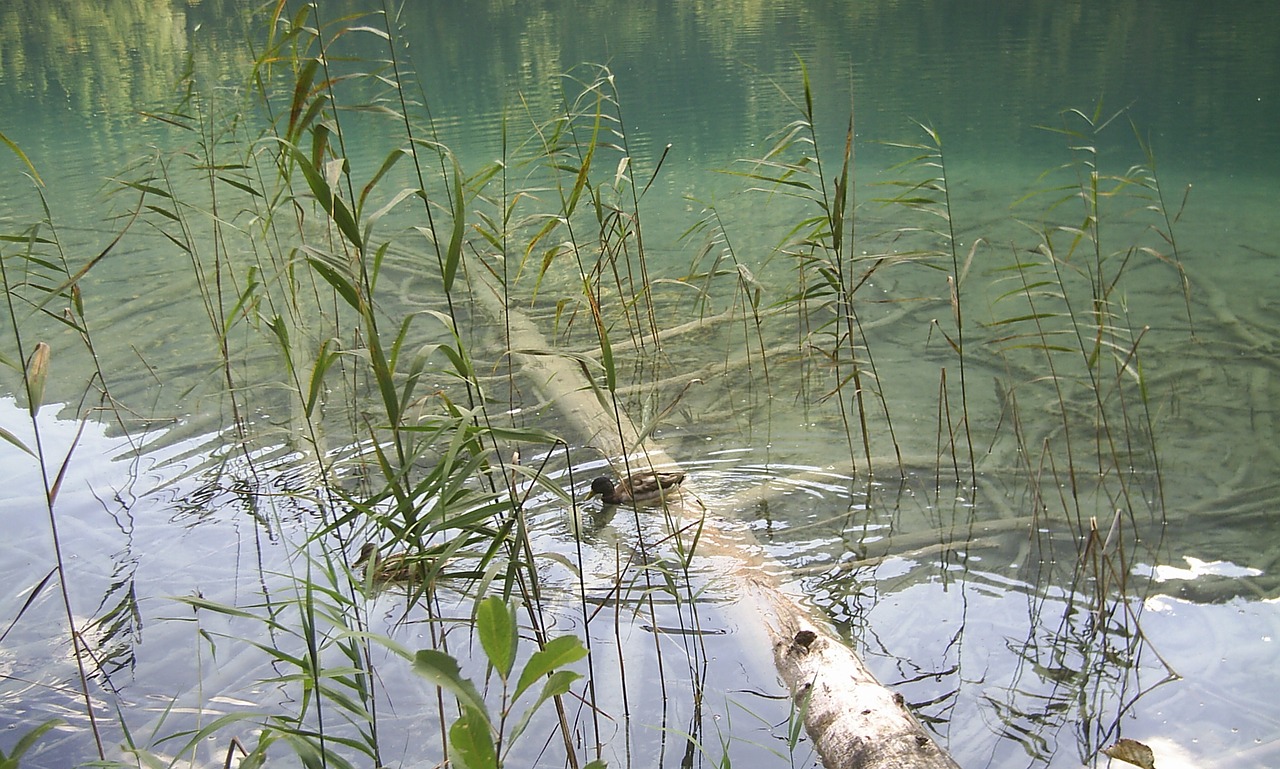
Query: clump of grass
(289, 257)
(828, 274)
(1080, 410)
(1071, 313)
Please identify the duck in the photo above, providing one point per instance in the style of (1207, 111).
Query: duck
(398, 567)
(636, 488)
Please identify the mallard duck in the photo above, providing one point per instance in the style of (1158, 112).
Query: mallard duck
(397, 567)
(637, 488)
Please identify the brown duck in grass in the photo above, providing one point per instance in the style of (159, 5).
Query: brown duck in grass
(640, 487)
(397, 567)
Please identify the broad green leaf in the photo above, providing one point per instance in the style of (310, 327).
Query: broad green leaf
(443, 671)
(496, 625)
(557, 684)
(558, 652)
(471, 743)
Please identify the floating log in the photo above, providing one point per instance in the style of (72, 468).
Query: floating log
(854, 721)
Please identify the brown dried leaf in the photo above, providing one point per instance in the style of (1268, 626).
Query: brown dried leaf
(1133, 752)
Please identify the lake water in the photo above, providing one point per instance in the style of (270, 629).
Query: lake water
(972, 599)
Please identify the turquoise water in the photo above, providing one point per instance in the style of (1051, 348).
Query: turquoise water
(976, 615)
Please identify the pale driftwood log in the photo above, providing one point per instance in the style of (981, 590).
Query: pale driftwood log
(853, 720)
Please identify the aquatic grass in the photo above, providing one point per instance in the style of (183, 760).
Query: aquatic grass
(38, 279)
(749, 299)
(821, 245)
(314, 653)
(926, 191)
(415, 447)
(1079, 408)
(1087, 343)
(565, 228)
(426, 481)
(1147, 176)
(1067, 343)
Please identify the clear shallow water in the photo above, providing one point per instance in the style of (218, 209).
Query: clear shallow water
(978, 624)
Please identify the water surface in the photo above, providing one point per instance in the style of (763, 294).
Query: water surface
(956, 595)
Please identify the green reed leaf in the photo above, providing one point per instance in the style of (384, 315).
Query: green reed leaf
(332, 204)
(149, 189)
(242, 186)
(324, 359)
(243, 301)
(388, 163)
(25, 743)
(164, 212)
(373, 218)
(301, 90)
(345, 288)
(21, 156)
(580, 181)
(454, 255)
(31, 239)
(523, 434)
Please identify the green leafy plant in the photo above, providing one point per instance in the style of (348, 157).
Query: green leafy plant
(481, 738)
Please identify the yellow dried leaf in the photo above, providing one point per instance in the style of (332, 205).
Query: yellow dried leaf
(37, 374)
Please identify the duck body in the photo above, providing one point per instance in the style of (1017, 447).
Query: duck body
(397, 567)
(636, 488)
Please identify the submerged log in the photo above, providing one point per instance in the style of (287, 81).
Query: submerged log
(854, 721)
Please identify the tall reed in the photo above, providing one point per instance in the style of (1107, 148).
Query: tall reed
(829, 275)
(44, 299)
